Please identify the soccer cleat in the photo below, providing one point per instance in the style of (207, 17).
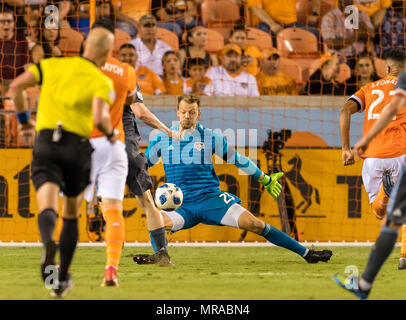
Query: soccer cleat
(314, 256)
(351, 288)
(161, 258)
(402, 264)
(48, 258)
(387, 182)
(62, 287)
(110, 277)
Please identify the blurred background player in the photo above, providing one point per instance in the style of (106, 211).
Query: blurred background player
(62, 152)
(396, 213)
(386, 154)
(110, 162)
(203, 201)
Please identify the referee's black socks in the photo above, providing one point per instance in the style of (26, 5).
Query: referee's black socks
(67, 245)
(46, 224)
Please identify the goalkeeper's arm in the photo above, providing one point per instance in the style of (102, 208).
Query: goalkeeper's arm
(230, 155)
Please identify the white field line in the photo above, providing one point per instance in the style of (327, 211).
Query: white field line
(200, 244)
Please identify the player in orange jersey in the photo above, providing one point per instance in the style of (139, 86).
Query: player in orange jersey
(110, 163)
(387, 152)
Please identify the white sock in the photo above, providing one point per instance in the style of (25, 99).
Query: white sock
(363, 285)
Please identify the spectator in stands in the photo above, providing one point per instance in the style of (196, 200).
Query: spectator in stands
(250, 54)
(228, 79)
(272, 82)
(347, 42)
(14, 53)
(148, 80)
(364, 73)
(197, 81)
(173, 81)
(275, 15)
(128, 12)
(176, 16)
(196, 48)
(37, 54)
(392, 30)
(323, 80)
(49, 41)
(375, 9)
(33, 28)
(149, 48)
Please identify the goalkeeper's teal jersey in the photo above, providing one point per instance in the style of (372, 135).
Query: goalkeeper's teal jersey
(189, 163)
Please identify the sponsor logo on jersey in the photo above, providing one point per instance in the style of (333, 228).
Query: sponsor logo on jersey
(199, 146)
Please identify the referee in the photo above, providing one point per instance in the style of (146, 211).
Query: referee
(75, 96)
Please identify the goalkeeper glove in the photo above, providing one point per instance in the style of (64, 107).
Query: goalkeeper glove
(271, 184)
(138, 95)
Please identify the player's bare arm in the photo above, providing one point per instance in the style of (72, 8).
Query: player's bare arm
(397, 103)
(349, 108)
(17, 87)
(102, 121)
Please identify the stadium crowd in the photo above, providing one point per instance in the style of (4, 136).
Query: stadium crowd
(216, 47)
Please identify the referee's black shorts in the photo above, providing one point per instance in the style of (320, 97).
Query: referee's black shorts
(66, 163)
(138, 178)
(396, 211)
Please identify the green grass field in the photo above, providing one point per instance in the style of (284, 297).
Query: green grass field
(228, 273)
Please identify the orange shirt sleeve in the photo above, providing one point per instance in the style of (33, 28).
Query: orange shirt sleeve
(159, 87)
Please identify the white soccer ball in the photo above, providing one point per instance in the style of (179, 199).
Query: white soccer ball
(168, 197)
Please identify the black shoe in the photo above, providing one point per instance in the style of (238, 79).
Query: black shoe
(61, 288)
(161, 258)
(387, 182)
(314, 256)
(48, 258)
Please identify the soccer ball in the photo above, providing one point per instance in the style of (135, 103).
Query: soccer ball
(168, 197)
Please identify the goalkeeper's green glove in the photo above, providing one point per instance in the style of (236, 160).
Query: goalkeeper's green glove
(271, 184)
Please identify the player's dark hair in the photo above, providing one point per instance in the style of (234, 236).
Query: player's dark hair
(127, 46)
(105, 23)
(188, 98)
(396, 54)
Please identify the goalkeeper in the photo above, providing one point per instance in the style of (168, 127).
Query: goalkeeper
(188, 164)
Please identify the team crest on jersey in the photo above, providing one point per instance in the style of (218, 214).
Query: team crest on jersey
(244, 85)
(199, 146)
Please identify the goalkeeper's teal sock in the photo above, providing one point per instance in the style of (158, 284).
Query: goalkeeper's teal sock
(281, 239)
(158, 239)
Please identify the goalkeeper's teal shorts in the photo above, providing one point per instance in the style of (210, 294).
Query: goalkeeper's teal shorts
(220, 209)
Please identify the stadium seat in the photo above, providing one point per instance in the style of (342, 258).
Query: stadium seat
(169, 38)
(215, 41)
(291, 68)
(259, 39)
(121, 37)
(380, 67)
(219, 13)
(70, 42)
(304, 9)
(297, 43)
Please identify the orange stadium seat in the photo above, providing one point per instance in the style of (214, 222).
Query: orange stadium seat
(259, 39)
(297, 43)
(304, 9)
(121, 37)
(70, 42)
(219, 13)
(215, 41)
(169, 38)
